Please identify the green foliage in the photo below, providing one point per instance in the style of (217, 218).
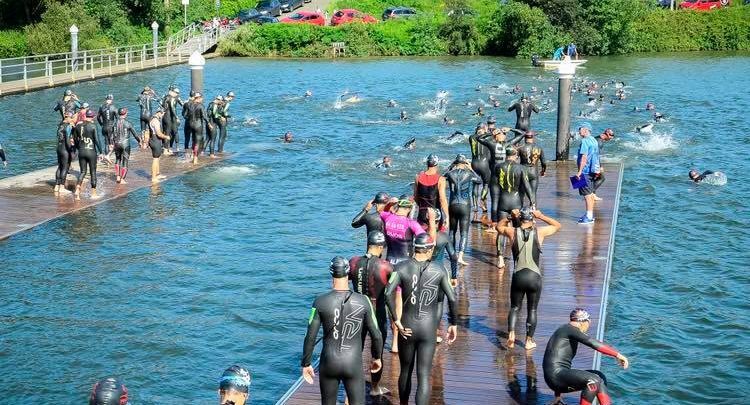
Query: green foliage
(51, 35)
(12, 44)
(376, 7)
(460, 29)
(520, 30)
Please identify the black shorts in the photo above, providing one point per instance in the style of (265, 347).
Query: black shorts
(156, 147)
(589, 187)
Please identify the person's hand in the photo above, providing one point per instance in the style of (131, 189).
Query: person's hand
(578, 175)
(308, 373)
(623, 361)
(537, 214)
(405, 332)
(454, 282)
(376, 366)
(5, 163)
(452, 333)
(368, 205)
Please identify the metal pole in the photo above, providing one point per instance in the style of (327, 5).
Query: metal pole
(74, 46)
(196, 62)
(185, 7)
(155, 39)
(566, 70)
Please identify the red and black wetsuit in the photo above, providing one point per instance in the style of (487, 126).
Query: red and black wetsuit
(369, 276)
(558, 357)
(427, 194)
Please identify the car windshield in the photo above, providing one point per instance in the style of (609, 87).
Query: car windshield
(338, 14)
(249, 13)
(266, 3)
(297, 16)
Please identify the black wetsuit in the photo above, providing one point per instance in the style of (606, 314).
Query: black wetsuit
(598, 178)
(344, 315)
(212, 113)
(427, 195)
(106, 118)
(222, 123)
(88, 147)
(443, 245)
(369, 276)
(513, 184)
(497, 156)
(461, 185)
(195, 119)
(154, 142)
(2, 154)
(65, 152)
(523, 114)
(371, 221)
(480, 163)
(531, 156)
(187, 131)
(121, 135)
(170, 120)
(558, 358)
(527, 278)
(422, 284)
(70, 106)
(148, 104)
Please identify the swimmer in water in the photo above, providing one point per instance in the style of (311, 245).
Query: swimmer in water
(369, 275)
(288, 137)
(447, 121)
(121, 131)
(234, 386)
(422, 282)
(411, 144)
(461, 181)
(308, 94)
(88, 147)
(479, 113)
(345, 316)
(403, 116)
(372, 220)
(478, 88)
(658, 117)
(697, 176)
(558, 358)
(526, 244)
(109, 391)
(385, 164)
(456, 134)
(650, 107)
(392, 103)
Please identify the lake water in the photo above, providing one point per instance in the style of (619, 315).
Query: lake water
(168, 286)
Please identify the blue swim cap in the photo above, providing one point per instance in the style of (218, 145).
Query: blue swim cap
(586, 125)
(235, 378)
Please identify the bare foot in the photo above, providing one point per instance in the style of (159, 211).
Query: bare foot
(122, 181)
(78, 193)
(530, 344)
(511, 340)
(378, 391)
(461, 259)
(214, 157)
(118, 179)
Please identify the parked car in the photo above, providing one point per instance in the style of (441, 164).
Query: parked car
(304, 17)
(398, 12)
(266, 19)
(348, 15)
(248, 15)
(703, 5)
(269, 7)
(291, 5)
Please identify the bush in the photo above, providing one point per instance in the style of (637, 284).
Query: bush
(520, 30)
(51, 35)
(13, 44)
(460, 29)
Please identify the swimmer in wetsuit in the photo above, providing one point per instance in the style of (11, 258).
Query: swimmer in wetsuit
(234, 386)
(156, 143)
(213, 114)
(429, 191)
(68, 104)
(65, 151)
(196, 119)
(170, 122)
(513, 186)
(461, 181)
(109, 391)
(369, 275)
(531, 156)
(88, 146)
(411, 144)
(121, 132)
(106, 117)
(526, 242)
(148, 103)
(187, 129)
(223, 121)
(480, 163)
(496, 142)
(345, 316)
(422, 283)
(523, 109)
(558, 358)
(372, 220)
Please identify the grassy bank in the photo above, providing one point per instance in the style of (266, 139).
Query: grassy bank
(518, 28)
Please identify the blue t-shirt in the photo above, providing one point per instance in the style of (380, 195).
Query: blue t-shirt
(590, 148)
(572, 50)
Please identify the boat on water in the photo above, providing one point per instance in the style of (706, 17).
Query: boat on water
(553, 64)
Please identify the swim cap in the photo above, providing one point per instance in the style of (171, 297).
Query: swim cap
(579, 315)
(381, 198)
(109, 391)
(197, 94)
(147, 88)
(511, 152)
(423, 241)
(693, 174)
(122, 111)
(68, 92)
(85, 105)
(524, 96)
(405, 203)
(527, 214)
(90, 114)
(586, 125)
(230, 94)
(192, 93)
(491, 119)
(219, 97)
(375, 238)
(110, 97)
(610, 132)
(176, 90)
(461, 158)
(339, 267)
(529, 134)
(235, 378)
(432, 160)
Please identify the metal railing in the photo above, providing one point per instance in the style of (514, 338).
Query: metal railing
(104, 62)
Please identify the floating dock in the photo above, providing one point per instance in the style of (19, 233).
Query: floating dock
(477, 369)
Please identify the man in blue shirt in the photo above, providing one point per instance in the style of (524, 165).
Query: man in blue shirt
(588, 166)
(572, 51)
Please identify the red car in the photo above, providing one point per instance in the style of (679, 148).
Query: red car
(349, 15)
(703, 5)
(304, 17)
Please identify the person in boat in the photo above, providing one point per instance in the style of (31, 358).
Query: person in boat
(558, 54)
(572, 51)
(234, 386)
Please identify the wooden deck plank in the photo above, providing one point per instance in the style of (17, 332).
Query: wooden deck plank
(27, 200)
(477, 369)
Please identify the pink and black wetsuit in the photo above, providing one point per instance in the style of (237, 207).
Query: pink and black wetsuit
(399, 234)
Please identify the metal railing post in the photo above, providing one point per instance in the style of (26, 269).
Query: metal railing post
(110, 64)
(25, 82)
(1, 71)
(143, 56)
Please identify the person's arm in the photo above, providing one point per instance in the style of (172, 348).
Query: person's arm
(534, 108)
(359, 220)
(97, 143)
(184, 111)
(518, 138)
(224, 111)
(584, 150)
(313, 325)
(513, 107)
(100, 117)
(450, 296)
(443, 196)
(542, 161)
(600, 347)
(505, 228)
(526, 186)
(545, 231)
(390, 295)
(376, 345)
(131, 130)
